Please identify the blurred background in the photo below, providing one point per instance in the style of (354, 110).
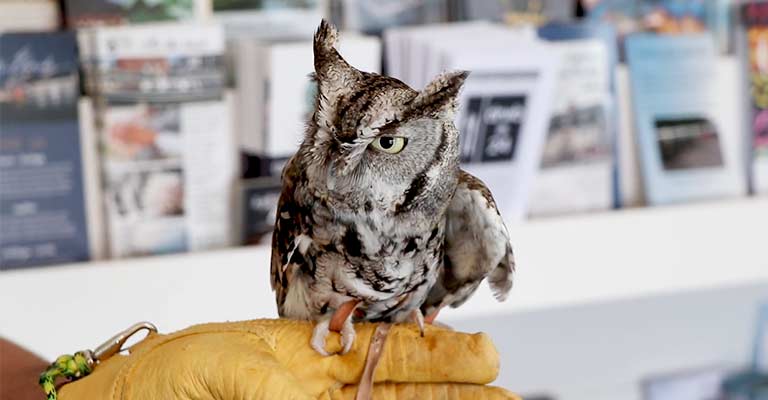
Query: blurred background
(626, 142)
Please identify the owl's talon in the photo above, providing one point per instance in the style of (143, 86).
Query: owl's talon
(418, 319)
(347, 336)
(319, 336)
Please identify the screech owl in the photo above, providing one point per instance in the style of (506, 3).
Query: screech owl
(376, 221)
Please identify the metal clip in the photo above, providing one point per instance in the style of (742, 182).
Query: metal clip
(115, 344)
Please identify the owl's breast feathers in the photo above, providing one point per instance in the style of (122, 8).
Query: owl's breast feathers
(322, 256)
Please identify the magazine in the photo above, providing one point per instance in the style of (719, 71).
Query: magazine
(578, 169)
(168, 152)
(689, 142)
(42, 187)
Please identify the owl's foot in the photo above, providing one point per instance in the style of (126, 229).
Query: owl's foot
(340, 321)
(418, 318)
(319, 336)
(347, 336)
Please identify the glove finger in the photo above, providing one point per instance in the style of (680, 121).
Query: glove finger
(426, 391)
(440, 356)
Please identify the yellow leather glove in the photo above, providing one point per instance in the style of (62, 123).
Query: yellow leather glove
(272, 359)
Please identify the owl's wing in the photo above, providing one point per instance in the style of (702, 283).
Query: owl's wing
(290, 239)
(476, 246)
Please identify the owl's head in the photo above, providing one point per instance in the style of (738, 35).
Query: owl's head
(374, 132)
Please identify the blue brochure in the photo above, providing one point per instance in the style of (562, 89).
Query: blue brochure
(689, 143)
(42, 204)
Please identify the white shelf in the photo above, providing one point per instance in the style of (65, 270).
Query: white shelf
(561, 261)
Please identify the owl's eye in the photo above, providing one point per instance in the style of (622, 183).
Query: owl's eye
(389, 144)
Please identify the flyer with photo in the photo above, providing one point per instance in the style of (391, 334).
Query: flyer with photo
(690, 146)
(577, 164)
(168, 151)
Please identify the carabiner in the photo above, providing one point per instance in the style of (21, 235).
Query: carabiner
(115, 344)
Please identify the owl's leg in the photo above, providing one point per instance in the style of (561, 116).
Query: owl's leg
(430, 318)
(342, 322)
(342, 314)
(418, 318)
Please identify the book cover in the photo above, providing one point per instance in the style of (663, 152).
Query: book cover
(86, 13)
(42, 200)
(575, 173)
(168, 153)
(753, 44)
(579, 169)
(689, 145)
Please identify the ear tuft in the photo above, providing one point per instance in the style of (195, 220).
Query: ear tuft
(325, 37)
(334, 76)
(328, 62)
(441, 91)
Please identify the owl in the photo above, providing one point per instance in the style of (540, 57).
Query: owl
(376, 221)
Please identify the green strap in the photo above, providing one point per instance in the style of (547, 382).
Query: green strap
(66, 366)
(82, 363)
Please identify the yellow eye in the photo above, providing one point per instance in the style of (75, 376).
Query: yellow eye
(389, 144)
